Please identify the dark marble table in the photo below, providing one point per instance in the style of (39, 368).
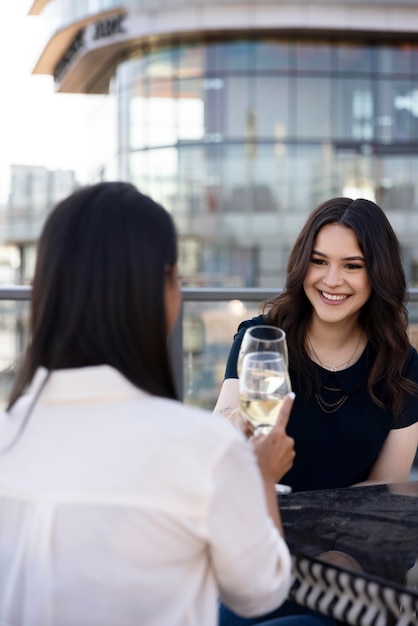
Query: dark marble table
(355, 552)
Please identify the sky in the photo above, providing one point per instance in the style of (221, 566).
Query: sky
(37, 125)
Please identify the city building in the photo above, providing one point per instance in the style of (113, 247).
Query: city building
(240, 116)
(34, 190)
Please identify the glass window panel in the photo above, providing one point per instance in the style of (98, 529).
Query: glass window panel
(313, 56)
(138, 115)
(14, 337)
(355, 109)
(215, 53)
(191, 109)
(161, 63)
(214, 97)
(236, 55)
(405, 101)
(313, 107)
(355, 174)
(131, 70)
(162, 114)
(269, 176)
(272, 55)
(271, 106)
(355, 58)
(414, 59)
(238, 172)
(139, 170)
(199, 192)
(239, 112)
(397, 188)
(213, 155)
(308, 169)
(163, 184)
(399, 59)
(397, 117)
(191, 60)
(124, 120)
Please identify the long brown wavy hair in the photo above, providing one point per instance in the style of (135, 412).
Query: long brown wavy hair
(384, 316)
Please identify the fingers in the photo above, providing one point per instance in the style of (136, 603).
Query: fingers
(275, 454)
(244, 425)
(285, 411)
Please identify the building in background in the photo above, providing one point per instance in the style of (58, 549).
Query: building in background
(241, 116)
(34, 190)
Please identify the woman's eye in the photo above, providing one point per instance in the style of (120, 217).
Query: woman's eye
(317, 261)
(353, 266)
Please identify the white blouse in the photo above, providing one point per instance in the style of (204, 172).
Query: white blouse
(120, 508)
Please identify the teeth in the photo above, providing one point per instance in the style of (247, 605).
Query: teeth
(329, 296)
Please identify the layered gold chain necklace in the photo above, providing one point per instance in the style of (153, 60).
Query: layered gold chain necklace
(333, 368)
(332, 407)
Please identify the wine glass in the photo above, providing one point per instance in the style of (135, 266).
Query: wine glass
(263, 339)
(263, 384)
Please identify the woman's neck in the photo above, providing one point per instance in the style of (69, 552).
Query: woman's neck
(335, 335)
(335, 347)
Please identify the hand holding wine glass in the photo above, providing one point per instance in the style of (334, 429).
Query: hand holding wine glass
(275, 451)
(264, 380)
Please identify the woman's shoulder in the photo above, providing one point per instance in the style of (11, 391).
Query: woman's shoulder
(410, 368)
(258, 320)
(196, 427)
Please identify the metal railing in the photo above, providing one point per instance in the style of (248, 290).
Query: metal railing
(208, 295)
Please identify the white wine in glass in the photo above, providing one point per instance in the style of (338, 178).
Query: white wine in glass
(263, 384)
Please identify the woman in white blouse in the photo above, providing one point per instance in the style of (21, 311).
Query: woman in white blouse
(120, 506)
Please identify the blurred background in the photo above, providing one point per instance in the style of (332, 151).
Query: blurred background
(239, 116)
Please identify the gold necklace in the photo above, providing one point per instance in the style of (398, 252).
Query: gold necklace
(332, 368)
(330, 407)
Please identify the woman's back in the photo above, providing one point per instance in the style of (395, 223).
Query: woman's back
(110, 501)
(118, 505)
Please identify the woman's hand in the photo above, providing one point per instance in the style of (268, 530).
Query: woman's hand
(227, 405)
(275, 451)
(238, 420)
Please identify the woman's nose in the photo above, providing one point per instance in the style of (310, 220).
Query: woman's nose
(333, 277)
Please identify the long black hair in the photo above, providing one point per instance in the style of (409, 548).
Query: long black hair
(384, 316)
(99, 286)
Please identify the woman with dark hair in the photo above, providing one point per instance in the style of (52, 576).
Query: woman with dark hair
(355, 417)
(119, 505)
(352, 368)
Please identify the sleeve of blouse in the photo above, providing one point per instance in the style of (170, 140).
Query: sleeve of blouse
(251, 560)
(409, 413)
(231, 364)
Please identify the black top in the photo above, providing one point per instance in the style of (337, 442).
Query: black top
(338, 430)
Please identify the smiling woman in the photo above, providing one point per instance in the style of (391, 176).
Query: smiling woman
(355, 417)
(343, 311)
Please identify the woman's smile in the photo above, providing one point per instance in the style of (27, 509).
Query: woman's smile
(334, 297)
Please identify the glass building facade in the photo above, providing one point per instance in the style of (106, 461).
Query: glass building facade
(241, 138)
